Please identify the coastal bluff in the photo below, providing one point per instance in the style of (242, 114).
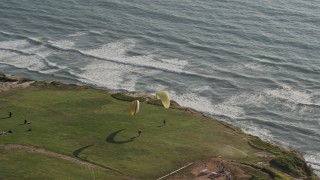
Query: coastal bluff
(80, 131)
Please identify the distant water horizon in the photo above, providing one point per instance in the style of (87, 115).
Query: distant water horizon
(254, 64)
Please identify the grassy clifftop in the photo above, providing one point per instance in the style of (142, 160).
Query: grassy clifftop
(96, 127)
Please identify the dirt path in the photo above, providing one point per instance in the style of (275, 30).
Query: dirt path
(37, 150)
(175, 171)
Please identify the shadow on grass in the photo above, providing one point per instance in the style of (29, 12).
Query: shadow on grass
(78, 151)
(111, 137)
(5, 118)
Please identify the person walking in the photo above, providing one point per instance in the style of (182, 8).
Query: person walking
(139, 132)
(10, 114)
(164, 122)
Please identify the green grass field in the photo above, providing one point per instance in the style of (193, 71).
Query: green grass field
(21, 165)
(91, 125)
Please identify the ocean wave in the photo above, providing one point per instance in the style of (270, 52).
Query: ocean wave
(110, 75)
(291, 96)
(270, 62)
(82, 33)
(155, 87)
(113, 52)
(30, 62)
(95, 32)
(15, 44)
(255, 130)
(116, 52)
(203, 104)
(313, 158)
(285, 97)
(62, 44)
(25, 48)
(228, 110)
(32, 58)
(21, 38)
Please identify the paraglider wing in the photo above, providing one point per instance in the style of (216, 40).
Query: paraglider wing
(164, 97)
(134, 107)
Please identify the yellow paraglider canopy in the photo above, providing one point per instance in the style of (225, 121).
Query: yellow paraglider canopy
(164, 97)
(134, 107)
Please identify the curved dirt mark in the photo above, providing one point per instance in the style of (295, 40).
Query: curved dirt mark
(37, 150)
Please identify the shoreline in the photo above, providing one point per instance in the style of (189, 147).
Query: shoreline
(8, 82)
(17, 82)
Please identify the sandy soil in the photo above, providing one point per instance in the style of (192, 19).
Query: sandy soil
(5, 86)
(8, 82)
(212, 166)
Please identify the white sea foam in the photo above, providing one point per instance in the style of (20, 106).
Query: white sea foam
(55, 65)
(16, 44)
(203, 104)
(252, 67)
(291, 95)
(253, 129)
(53, 68)
(129, 82)
(41, 51)
(291, 99)
(112, 75)
(25, 47)
(233, 106)
(103, 74)
(32, 62)
(113, 49)
(286, 97)
(78, 34)
(247, 98)
(155, 87)
(313, 158)
(6, 54)
(95, 32)
(200, 89)
(116, 51)
(36, 39)
(31, 56)
(63, 44)
(175, 61)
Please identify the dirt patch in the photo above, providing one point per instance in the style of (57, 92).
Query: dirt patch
(5, 86)
(8, 82)
(214, 168)
(265, 155)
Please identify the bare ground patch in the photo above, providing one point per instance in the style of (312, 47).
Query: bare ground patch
(216, 168)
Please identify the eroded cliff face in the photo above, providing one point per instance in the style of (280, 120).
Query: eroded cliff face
(8, 82)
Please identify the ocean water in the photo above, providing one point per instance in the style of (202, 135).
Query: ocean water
(254, 64)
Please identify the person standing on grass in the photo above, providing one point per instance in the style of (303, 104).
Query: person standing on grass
(139, 132)
(10, 114)
(164, 122)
